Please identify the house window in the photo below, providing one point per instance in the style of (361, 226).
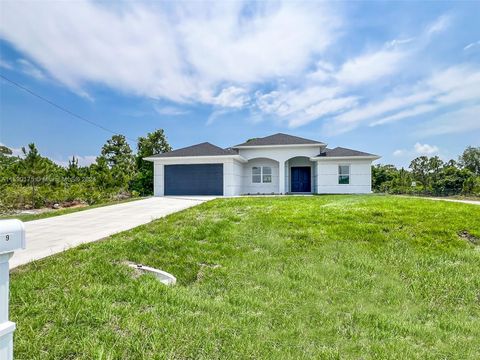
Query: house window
(266, 174)
(256, 174)
(344, 174)
(261, 174)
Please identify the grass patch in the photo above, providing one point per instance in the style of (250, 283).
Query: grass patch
(52, 213)
(282, 277)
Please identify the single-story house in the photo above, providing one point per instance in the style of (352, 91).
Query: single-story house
(275, 164)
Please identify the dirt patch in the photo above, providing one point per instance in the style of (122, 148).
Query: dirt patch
(464, 234)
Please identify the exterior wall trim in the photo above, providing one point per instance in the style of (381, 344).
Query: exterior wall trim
(341, 158)
(178, 159)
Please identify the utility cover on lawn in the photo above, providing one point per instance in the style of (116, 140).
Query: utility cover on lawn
(163, 276)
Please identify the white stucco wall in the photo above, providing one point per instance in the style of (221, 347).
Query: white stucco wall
(237, 174)
(232, 177)
(250, 187)
(360, 177)
(232, 173)
(281, 155)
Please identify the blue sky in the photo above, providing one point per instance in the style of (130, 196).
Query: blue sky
(399, 79)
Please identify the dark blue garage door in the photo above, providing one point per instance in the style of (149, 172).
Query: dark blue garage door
(198, 179)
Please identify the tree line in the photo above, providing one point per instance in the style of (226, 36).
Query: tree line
(431, 176)
(33, 181)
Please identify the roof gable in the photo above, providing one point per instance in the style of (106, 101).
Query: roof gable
(203, 149)
(279, 139)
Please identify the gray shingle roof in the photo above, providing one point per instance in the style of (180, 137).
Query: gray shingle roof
(279, 139)
(343, 152)
(203, 149)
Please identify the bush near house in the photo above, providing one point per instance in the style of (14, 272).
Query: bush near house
(431, 176)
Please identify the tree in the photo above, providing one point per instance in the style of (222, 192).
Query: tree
(72, 168)
(101, 173)
(452, 180)
(420, 170)
(451, 162)
(382, 174)
(6, 163)
(469, 185)
(434, 166)
(119, 158)
(33, 166)
(154, 143)
(5, 150)
(470, 159)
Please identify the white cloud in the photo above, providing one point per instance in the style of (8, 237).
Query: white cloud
(15, 151)
(324, 71)
(472, 45)
(455, 86)
(325, 107)
(82, 160)
(390, 103)
(221, 54)
(28, 68)
(215, 115)
(184, 52)
(231, 97)
(169, 110)
(453, 122)
(425, 149)
(395, 42)
(371, 67)
(416, 150)
(86, 160)
(5, 64)
(439, 25)
(327, 91)
(299, 107)
(413, 111)
(387, 60)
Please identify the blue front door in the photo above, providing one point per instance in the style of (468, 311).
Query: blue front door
(300, 176)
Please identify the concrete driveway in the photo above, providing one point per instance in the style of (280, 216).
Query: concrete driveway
(56, 234)
(473, 202)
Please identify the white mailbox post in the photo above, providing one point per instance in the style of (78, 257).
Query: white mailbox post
(12, 237)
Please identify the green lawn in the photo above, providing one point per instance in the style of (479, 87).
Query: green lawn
(334, 277)
(52, 213)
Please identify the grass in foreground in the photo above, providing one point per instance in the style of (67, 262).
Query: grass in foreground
(52, 213)
(287, 277)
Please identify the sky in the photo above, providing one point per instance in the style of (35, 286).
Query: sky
(397, 79)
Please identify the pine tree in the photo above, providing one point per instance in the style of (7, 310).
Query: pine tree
(154, 143)
(34, 168)
(119, 158)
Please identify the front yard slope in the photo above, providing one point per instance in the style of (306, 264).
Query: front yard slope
(265, 278)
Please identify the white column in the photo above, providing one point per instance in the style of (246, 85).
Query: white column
(228, 185)
(287, 176)
(281, 177)
(6, 327)
(317, 190)
(158, 179)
